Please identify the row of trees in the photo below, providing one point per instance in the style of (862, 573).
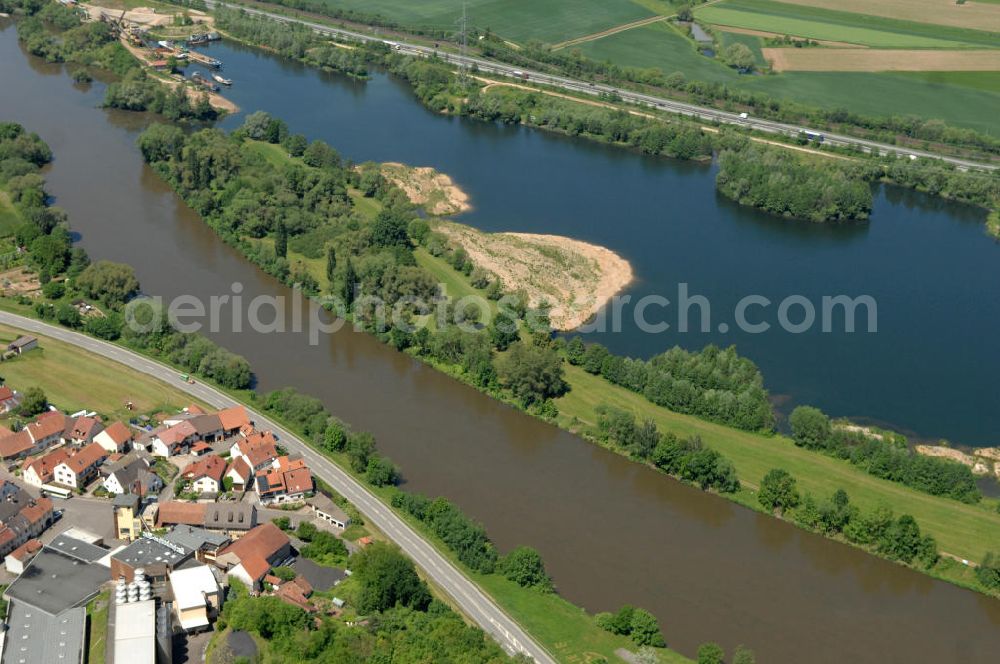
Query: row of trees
(878, 530)
(887, 458)
(56, 32)
(715, 384)
(686, 459)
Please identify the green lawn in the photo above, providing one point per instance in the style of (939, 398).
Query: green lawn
(519, 20)
(73, 380)
(658, 45)
(97, 618)
(816, 23)
(968, 531)
(753, 42)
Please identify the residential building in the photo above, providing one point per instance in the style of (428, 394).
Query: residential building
(41, 470)
(82, 430)
(197, 596)
(249, 558)
(131, 474)
(289, 480)
(176, 439)
(45, 431)
(117, 437)
(233, 519)
(328, 511)
(206, 474)
(9, 400)
(30, 520)
(79, 469)
(258, 448)
(240, 473)
(17, 560)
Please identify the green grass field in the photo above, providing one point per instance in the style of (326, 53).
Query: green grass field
(518, 20)
(752, 42)
(968, 531)
(74, 380)
(658, 45)
(9, 218)
(816, 23)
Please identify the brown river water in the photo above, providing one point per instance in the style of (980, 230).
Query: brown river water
(611, 532)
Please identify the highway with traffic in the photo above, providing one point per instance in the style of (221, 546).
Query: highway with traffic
(703, 113)
(471, 600)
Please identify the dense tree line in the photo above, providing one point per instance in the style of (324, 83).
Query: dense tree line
(878, 530)
(778, 182)
(889, 458)
(465, 537)
(715, 384)
(139, 91)
(686, 459)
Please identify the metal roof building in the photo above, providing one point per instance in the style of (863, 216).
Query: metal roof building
(34, 636)
(135, 632)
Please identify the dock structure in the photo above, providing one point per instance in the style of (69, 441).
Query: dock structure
(203, 59)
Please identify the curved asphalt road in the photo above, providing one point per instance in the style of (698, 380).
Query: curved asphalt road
(690, 110)
(473, 601)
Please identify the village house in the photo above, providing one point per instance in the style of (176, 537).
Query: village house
(258, 448)
(240, 473)
(79, 469)
(249, 558)
(9, 400)
(45, 431)
(82, 430)
(131, 474)
(205, 544)
(206, 474)
(233, 420)
(18, 559)
(176, 439)
(40, 471)
(116, 438)
(287, 481)
(28, 522)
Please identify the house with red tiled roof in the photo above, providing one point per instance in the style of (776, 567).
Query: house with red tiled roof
(45, 431)
(82, 430)
(201, 448)
(251, 557)
(259, 448)
(287, 481)
(205, 474)
(173, 513)
(17, 559)
(116, 438)
(296, 592)
(240, 473)
(9, 400)
(28, 523)
(233, 419)
(175, 439)
(41, 470)
(77, 470)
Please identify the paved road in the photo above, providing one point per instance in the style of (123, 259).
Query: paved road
(473, 601)
(690, 110)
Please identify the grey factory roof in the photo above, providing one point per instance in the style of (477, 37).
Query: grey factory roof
(35, 636)
(193, 538)
(75, 548)
(147, 551)
(54, 582)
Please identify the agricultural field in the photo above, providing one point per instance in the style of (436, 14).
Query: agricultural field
(658, 45)
(871, 59)
(551, 21)
(841, 26)
(974, 14)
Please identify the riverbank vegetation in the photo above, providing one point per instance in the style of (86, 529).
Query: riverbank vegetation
(548, 377)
